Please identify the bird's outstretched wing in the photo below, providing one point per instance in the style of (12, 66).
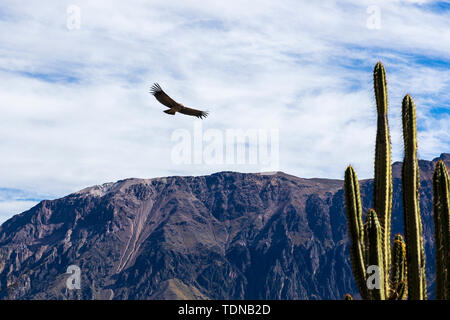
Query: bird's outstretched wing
(194, 112)
(174, 106)
(162, 97)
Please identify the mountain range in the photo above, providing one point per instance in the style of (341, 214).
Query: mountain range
(227, 235)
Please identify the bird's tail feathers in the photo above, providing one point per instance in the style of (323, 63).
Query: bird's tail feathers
(170, 111)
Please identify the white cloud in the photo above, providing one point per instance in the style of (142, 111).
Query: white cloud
(10, 208)
(75, 108)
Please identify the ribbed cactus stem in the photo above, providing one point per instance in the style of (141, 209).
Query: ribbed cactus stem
(356, 229)
(374, 252)
(382, 187)
(441, 212)
(413, 223)
(398, 280)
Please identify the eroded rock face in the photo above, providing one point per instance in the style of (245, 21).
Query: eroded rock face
(224, 236)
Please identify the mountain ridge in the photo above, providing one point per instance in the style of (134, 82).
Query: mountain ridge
(228, 235)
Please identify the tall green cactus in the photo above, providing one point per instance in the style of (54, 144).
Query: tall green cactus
(382, 183)
(356, 229)
(372, 245)
(415, 254)
(441, 212)
(402, 270)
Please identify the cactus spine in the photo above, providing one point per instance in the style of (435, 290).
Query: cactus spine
(415, 254)
(441, 212)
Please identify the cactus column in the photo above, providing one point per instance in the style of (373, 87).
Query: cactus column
(374, 252)
(356, 230)
(441, 212)
(382, 184)
(372, 246)
(398, 269)
(417, 288)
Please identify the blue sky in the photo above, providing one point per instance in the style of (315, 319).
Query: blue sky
(75, 109)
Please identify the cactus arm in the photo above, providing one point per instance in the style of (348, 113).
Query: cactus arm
(374, 243)
(441, 212)
(398, 281)
(413, 224)
(356, 229)
(382, 187)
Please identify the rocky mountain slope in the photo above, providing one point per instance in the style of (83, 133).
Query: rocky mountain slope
(224, 236)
